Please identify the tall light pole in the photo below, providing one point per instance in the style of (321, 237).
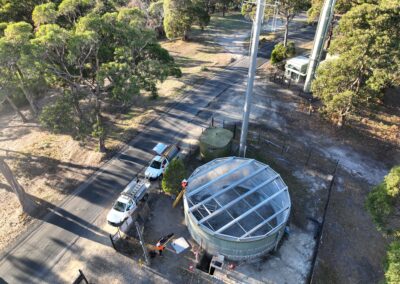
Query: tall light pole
(251, 75)
(322, 29)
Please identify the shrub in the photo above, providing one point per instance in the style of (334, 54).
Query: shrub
(290, 49)
(58, 117)
(381, 199)
(392, 267)
(281, 52)
(173, 177)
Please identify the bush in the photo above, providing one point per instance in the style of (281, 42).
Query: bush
(281, 52)
(173, 177)
(290, 49)
(381, 199)
(58, 117)
(392, 267)
(379, 205)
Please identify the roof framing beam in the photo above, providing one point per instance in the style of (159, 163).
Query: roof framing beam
(229, 213)
(250, 206)
(264, 222)
(193, 192)
(218, 164)
(236, 200)
(223, 190)
(248, 212)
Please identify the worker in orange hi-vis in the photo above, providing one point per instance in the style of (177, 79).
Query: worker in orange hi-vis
(160, 249)
(161, 244)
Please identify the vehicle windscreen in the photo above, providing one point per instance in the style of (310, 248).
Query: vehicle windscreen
(119, 206)
(155, 165)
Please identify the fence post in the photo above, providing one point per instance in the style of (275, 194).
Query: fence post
(212, 121)
(143, 244)
(234, 131)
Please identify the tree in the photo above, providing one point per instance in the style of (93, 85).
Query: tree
(367, 45)
(392, 265)
(381, 199)
(341, 7)
(44, 14)
(280, 52)
(105, 58)
(60, 117)
(16, 59)
(177, 19)
(4, 96)
(156, 17)
(17, 10)
(73, 9)
(180, 15)
(173, 176)
(287, 10)
(28, 206)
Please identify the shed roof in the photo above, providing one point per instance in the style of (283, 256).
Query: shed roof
(298, 62)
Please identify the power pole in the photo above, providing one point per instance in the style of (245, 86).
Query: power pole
(251, 75)
(322, 29)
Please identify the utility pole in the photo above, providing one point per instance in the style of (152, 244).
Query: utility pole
(322, 29)
(251, 75)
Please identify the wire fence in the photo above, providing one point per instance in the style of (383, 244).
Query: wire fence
(282, 147)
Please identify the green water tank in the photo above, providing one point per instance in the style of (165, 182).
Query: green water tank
(215, 142)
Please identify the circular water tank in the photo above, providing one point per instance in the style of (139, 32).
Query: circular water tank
(236, 207)
(215, 143)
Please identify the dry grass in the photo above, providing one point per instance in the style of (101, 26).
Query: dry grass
(50, 166)
(195, 59)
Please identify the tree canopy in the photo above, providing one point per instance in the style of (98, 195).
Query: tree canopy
(16, 63)
(180, 15)
(102, 58)
(173, 177)
(367, 50)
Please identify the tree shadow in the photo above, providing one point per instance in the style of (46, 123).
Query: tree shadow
(6, 187)
(59, 217)
(25, 270)
(186, 62)
(32, 166)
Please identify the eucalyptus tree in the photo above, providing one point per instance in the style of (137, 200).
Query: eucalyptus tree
(107, 58)
(180, 15)
(16, 62)
(367, 48)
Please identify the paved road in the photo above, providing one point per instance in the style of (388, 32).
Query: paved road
(32, 260)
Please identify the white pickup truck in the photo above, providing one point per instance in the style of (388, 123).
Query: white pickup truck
(158, 165)
(127, 202)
